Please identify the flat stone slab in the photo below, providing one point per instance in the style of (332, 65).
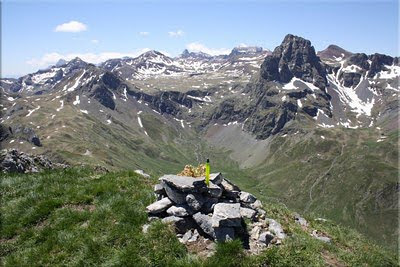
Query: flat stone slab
(174, 194)
(215, 178)
(227, 215)
(183, 183)
(159, 206)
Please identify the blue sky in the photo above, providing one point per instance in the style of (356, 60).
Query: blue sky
(126, 28)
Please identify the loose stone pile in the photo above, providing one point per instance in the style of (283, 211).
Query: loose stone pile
(218, 212)
(13, 160)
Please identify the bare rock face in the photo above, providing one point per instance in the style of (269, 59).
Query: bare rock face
(295, 57)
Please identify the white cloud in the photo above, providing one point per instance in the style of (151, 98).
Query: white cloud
(72, 26)
(198, 47)
(95, 41)
(144, 33)
(51, 58)
(178, 33)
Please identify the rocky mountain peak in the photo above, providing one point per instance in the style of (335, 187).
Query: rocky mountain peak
(197, 55)
(334, 52)
(295, 57)
(243, 50)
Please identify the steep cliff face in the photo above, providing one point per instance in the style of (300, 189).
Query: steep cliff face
(295, 57)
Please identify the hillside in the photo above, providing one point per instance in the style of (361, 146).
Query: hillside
(79, 216)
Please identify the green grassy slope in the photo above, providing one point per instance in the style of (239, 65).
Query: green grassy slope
(348, 177)
(79, 217)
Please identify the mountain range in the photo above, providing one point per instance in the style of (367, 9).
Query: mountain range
(315, 130)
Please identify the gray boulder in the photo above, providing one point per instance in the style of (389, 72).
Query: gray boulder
(276, 228)
(248, 213)
(159, 206)
(195, 201)
(205, 223)
(246, 197)
(300, 220)
(190, 236)
(227, 214)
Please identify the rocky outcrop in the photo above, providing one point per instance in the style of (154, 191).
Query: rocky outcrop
(24, 133)
(295, 57)
(15, 161)
(216, 212)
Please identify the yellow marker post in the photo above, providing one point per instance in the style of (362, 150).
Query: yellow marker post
(208, 172)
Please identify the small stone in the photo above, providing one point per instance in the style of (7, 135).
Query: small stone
(320, 237)
(248, 213)
(265, 237)
(187, 236)
(256, 205)
(159, 206)
(276, 228)
(228, 186)
(142, 173)
(216, 178)
(255, 232)
(145, 228)
(300, 220)
(246, 197)
(227, 215)
(180, 210)
(195, 201)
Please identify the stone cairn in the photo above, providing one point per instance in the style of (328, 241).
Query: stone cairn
(218, 212)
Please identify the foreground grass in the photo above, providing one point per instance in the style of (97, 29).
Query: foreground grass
(77, 217)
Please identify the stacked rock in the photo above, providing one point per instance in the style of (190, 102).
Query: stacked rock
(216, 211)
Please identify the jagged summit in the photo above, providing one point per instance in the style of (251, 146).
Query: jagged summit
(295, 57)
(199, 55)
